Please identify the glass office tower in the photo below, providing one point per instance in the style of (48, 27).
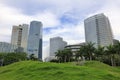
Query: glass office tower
(35, 39)
(98, 30)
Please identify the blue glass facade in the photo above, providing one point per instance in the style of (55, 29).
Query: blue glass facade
(35, 39)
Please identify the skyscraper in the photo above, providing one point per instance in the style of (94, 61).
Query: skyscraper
(98, 30)
(35, 39)
(20, 36)
(56, 44)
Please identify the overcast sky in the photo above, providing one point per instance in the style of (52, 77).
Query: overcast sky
(63, 18)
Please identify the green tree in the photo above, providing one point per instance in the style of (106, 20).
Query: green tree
(2, 56)
(99, 53)
(64, 55)
(111, 53)
(88, 50)
(80, 53)
(58, 54)
(117, 48)
(117, 55)
(67, 55)
(8, 58)
(32, 57)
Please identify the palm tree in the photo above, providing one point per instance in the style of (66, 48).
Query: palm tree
(117, 47)
(80, 53)
(58, 54)
(89, 50)
(99, 52)
(111, 53)
(86, 50)
(64, 55)
(68, 54)
(117, 55)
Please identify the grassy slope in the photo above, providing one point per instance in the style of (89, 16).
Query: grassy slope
(33, 70)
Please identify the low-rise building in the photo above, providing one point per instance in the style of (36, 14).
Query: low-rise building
(74, 47)
(7, 48)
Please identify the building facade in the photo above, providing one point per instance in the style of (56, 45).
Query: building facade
(56, 44)
(20, 36)
(74, 47)
(115, 41)
(98, 30)
(35, 39)
(8, 48)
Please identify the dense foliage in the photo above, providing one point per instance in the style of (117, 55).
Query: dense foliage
(109, 54)
(8, 58)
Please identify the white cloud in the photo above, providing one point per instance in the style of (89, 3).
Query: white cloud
(48, 19)
(70, 33)
(10, 16)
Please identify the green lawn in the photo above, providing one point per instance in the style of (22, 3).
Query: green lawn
(34, 70)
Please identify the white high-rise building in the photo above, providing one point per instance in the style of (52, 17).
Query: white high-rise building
(20, 36)
(56, 44)
(35, 39)
(98, 30)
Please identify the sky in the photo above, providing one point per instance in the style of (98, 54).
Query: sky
(64, 18)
